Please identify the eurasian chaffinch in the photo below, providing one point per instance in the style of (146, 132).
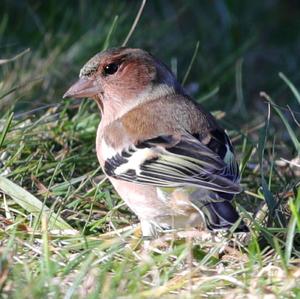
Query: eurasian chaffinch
(167, 158)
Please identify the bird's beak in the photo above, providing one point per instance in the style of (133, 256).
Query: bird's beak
(84, 88)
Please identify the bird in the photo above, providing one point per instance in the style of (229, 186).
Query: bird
(166, 157)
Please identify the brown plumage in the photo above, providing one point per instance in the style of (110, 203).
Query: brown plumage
(166, 157)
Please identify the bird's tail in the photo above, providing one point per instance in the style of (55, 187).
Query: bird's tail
(220, 215)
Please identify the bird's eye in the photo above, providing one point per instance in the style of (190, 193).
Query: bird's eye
(110, 69)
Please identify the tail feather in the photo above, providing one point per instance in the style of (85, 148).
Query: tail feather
(222, 215)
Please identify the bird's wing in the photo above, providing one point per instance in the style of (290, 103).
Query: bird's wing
(174, 161)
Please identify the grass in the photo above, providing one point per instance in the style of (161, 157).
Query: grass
(65, 233)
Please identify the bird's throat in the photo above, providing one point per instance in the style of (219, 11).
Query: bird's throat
(99, 103)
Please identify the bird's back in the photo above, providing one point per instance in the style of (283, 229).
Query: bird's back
(170, 115)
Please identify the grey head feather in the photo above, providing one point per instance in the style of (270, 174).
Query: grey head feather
(90, 67)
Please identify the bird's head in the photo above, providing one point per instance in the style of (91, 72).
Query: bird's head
(119, 78)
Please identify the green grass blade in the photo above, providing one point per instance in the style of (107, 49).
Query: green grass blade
(245, 159)
(278, 250)
(285, 121)
(261, 149)
(6, 128)
(135, 22)
(191, 63)
(291, 86)
(294, 207)
(78, 279)
(268, 196)
(3, 61)
(32, 205)
(290, 234)
(111, 30)
(208, 95)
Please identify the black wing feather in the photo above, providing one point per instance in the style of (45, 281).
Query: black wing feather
(176, 162)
